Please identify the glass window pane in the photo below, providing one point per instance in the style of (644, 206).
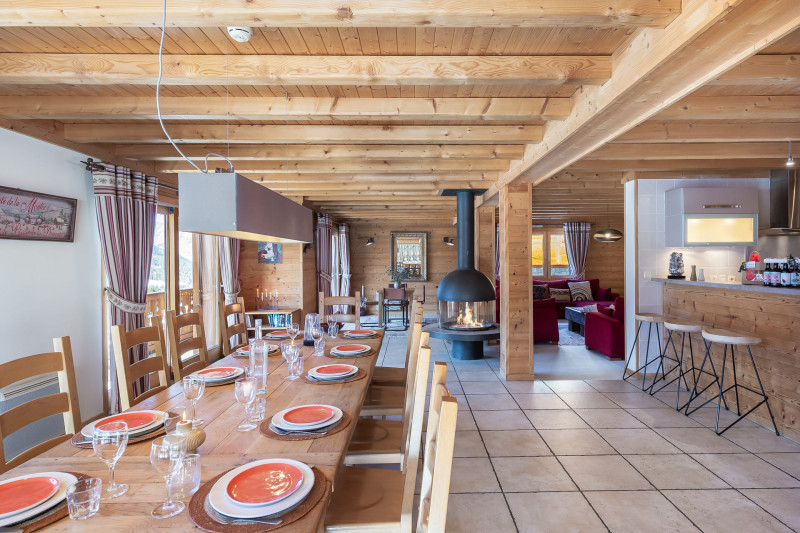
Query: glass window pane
(537, 249)
(559, 271)
(558, 252)
(185, 257)
(158, 279)
(537, 271)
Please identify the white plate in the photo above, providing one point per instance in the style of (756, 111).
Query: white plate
(88, 429)
(280, 423)
(337, 353)
(236, 374)
(218, 496)
(350, 370)
(332, 377)
(64, 480)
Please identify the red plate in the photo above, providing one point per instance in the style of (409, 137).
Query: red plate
(244, 349)
(361, 332)
(135, 420)
(309, 414)
(22, 494)
(264, 484)
(220, 372)
(334, 369)
(351, 348)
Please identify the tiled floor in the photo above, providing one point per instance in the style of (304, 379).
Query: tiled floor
(600, 455)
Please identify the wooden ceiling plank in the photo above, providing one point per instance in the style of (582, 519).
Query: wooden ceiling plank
(755, 108)
(773, 70)
(682, 151)
(718, 132)
(350, 166)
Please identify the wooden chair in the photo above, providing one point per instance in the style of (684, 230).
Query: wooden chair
(154, 365)
(388, 375)
(373, 499)
(376, 441)
(178, 348)
(237, 330)
(395, 300)
(351, 301)
(64, 402)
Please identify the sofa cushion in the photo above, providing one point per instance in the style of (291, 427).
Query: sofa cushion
(554, 284)
(619, 309)
(594, 282)
(606, 310)
(603, 295)
(540, 292)
(562, 295)
(580, 291)
(544, 303)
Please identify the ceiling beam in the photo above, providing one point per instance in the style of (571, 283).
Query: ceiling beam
(732, 150)
(277, 108)
(702, 174)
(676, 164)
(390, 178)
(710, 132)
(755, 108)
(260, 70)
(763, 70)
(333, 13)
(350, 166)
(307, 134)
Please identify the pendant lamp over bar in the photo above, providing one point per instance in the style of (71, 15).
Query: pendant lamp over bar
(608, 235)
(230, 205)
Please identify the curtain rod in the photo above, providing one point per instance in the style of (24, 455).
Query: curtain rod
(91, 165)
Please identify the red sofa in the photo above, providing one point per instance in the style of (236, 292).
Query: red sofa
(605, 333)
(599, 295)
(545, 317)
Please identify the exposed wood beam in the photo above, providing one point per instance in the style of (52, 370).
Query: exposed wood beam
(142, 69)
(332, 13)
(702, 174)
(685, 132)
(733, 150)
(350, 166)
(756, 108)
(763, 69)
(311, 134)
(276, 108)
(391, 178)
(676, 164)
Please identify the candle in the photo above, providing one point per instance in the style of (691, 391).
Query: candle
(184, 427)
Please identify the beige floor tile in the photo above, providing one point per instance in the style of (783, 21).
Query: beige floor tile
(698, 440)
(469, 444)
(576, 442)
(604, 472)
(553, 512)
(491, 402)
(664, 418)
(483, 387)
(746, 471)
(539, 401)
(788, 462)
(465, 422)
(468, 513)
(675, 471)
(569, 385)
(471, 474)
(609, 418)
(528, 387)
(637, 441)
(587, 400)
(612, 385)
(497, 420)
(661, 516)
(555, 419)
(761, 440)
(723, 511)
(477, 376)
(514, 443)
(783, 504)
(707, 416)
(634, 400)
(528, 474)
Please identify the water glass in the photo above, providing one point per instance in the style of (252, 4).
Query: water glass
(187, 480)
(193, 388)
(258, 364)
(296, 368)
(293, 330)
(291, 353)
(173, 416)
(166, 456)
(333, 331)
(257, 410)
(245, 391)
(83, 498)
(109, 442)
(316, 334)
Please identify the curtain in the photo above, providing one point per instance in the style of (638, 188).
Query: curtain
(324, 254)
(497, 251)
(576, 239)
(209, 287)
(336, 277)
(344, 259)
(126, 203)
(229, 267)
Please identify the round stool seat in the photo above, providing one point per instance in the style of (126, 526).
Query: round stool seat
(649, 317)
(687, 328)
(728, 337)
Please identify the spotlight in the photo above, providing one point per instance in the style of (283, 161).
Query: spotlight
(790, 159)
(449, 242)
(370, 241)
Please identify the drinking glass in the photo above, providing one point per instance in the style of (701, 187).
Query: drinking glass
(166, 456)
(83, 498)
(290, 352)
(173, 416)
(245, 391)
(187, 480)
(333, 331)
(193, 388)
(296, 368)
(258, 364)
(109, 442)
(316, 334)
(331, 321)
(293, 330)
(257, 411)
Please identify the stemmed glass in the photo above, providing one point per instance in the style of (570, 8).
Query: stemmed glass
(290, 352)
(193, 388)
(245, 390)
(109, 442)
(166, 456)
(331, 321)
(316, 334)
(293, 330)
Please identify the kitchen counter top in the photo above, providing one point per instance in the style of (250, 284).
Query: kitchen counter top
(732, 285)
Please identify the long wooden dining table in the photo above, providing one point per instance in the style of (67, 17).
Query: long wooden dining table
(224, 447)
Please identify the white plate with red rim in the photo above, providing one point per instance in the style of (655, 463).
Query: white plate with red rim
(264, 484)
(20, 495)
(350, 349)
(64, 481)
(220, 373)
(139, 422)
(302, 417)
(220, 502)
(333, 372)
(360, 333)
(245, 350)
(276, 335)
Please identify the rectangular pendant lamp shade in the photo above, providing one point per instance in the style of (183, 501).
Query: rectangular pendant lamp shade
(229, 205)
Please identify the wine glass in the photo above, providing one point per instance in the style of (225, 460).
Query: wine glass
(293, 330)
(290, 352)
(193, 388)
(316, 334)
(245, 391)
(109, 442)
(166, 456)
(331, 321)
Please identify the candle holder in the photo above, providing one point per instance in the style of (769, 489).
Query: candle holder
(194, 437)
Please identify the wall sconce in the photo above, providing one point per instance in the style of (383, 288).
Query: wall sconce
(449, 241)
(370, 241)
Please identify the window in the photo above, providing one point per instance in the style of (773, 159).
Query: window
(549, 254)
(158, 263)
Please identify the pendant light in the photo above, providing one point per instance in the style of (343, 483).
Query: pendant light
(607, 234)
(790, 159)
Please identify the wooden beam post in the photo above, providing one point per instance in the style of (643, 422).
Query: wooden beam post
(484, 240)
(516, 316)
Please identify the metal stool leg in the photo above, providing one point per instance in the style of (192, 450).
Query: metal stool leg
(721, 384)
(625, 374)
(735, 381)
(661, 366)
(695, 394)
(763, 392)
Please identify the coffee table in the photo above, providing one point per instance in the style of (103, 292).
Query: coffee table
(576, 319)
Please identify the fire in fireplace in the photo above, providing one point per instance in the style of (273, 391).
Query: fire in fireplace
(465, 316)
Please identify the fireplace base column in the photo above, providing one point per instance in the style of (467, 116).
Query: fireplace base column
(467, 350)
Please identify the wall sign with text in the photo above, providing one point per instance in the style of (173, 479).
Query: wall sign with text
(36, 216)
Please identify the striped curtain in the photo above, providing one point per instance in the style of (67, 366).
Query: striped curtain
(126, 203)
(497, 251)
(229, 267)
(344, 260)
(336, 276)
(576, 239)
(324, 254)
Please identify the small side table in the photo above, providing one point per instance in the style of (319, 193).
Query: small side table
(576, 319)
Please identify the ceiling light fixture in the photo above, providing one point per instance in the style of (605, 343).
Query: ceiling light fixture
(790, 159)
(449, 241)
(608, 235)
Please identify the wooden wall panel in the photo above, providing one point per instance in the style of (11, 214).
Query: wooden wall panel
(286, 278)
(773, 317)
(309, 269)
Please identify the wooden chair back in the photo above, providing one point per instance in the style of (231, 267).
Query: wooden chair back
(234, 336)
(178, 347)
(392, 296)
(414, 409)
(413, 334)
(351, 301)
(154, 366)
(64, 402)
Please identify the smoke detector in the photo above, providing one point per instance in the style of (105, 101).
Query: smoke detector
(240, 34)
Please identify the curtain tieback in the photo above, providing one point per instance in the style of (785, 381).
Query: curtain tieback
(123, 304)
(348, 276)
(231, 295)
(325, 276)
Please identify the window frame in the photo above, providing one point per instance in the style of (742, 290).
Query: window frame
(546, 267)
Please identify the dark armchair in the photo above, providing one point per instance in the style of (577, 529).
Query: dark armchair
(605, 333)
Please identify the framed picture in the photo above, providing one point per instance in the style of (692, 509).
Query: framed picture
(36, 216)
(270, 253)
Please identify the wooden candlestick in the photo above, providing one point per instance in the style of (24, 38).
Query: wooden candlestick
(194, 437)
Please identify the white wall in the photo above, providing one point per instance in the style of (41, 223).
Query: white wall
(52, 289)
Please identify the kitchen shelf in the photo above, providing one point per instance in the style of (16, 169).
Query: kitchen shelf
(252, 315)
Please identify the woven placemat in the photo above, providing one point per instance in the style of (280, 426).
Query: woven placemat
(361, 374)
(76, 438)
(345, 336)
(201, 519)
(372, 351)
(264, 429)
(54, 514)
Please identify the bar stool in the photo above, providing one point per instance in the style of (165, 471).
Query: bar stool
(683, 329)
(652, 320)
(731, 339)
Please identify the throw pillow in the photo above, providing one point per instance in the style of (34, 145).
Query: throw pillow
(540, 292)
(603, 295)
(560, 295)
(619, 308)
(589, 308)
(544, 304)
(581, 291)
(608, 311)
